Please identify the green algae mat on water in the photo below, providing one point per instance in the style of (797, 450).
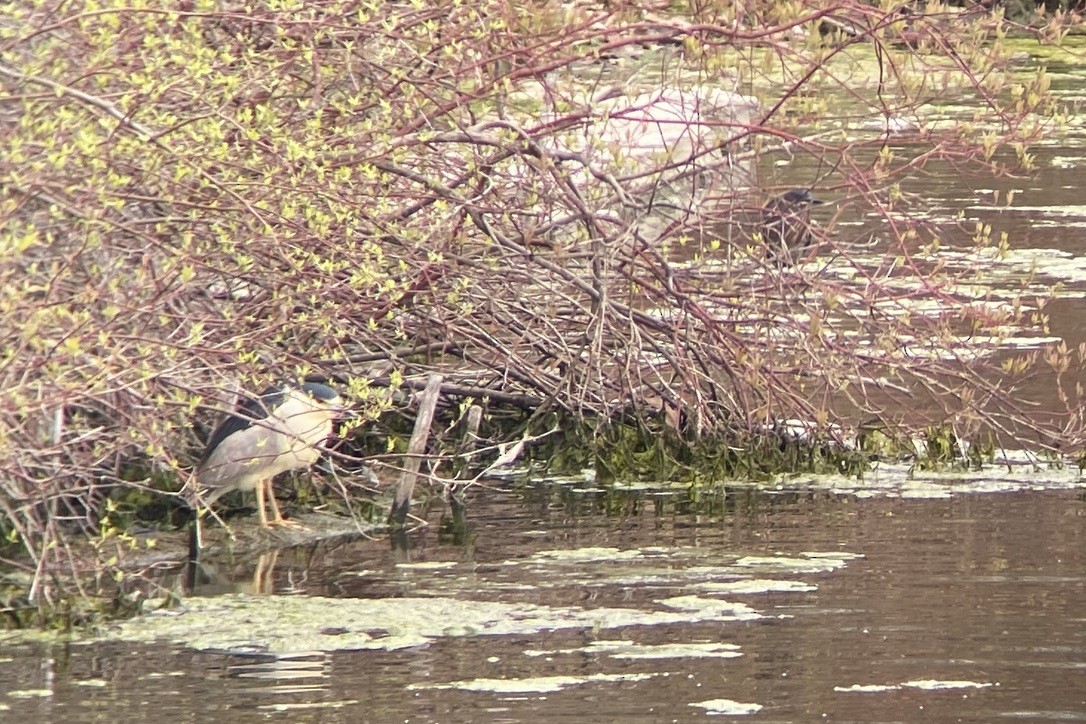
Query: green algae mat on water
(447, 603)
(295, 624)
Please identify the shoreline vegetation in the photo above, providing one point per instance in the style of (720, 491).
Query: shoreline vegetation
(557, 210)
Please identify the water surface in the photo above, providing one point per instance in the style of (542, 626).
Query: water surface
(788, 606)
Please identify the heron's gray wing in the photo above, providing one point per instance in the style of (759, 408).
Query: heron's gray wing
(248, 410)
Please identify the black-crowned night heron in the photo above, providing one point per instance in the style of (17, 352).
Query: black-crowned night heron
(786, 225)
(282, 429)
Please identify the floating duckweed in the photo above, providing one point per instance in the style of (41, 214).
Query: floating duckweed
(278, 625)
(727, 707)
(535, 685)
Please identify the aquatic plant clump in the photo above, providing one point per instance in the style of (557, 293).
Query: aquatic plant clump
(560, 209)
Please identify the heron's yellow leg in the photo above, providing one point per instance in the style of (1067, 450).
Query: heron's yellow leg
(277, 514)
(260, 502)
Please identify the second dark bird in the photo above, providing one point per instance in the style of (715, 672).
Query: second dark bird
(786, 225)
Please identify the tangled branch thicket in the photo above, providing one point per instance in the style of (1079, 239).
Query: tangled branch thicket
(558, 202)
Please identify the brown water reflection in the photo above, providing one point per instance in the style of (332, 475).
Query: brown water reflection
(987, 589)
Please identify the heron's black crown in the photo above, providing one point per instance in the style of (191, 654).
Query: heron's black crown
(321, 392)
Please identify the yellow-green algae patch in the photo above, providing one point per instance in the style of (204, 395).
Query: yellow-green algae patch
(428, 565)
(925, 684)
(582, 555)
(533, 685)
(710, 608)
(936, 684)
(288, 624)
(1014, 471)
(624, 649)
(727, 707)
(93, 683)
(162, 675)
(309, 705)
(647, 566)
(867, 688)
(755, 585)
(812, 562)
(30, 693)
(656, 566)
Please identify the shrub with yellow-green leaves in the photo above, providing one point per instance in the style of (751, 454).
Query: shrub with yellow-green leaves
(173, 232)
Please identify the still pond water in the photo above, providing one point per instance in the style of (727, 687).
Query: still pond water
(556, 602)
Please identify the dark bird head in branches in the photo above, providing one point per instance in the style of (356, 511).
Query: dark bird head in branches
(786, 225)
